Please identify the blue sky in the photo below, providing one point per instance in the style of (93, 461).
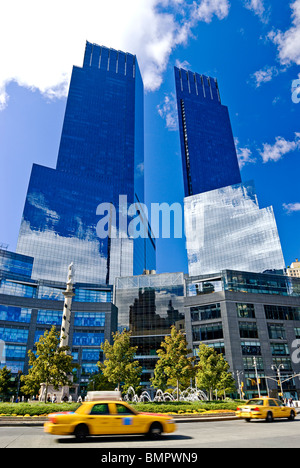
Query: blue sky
(251, 46)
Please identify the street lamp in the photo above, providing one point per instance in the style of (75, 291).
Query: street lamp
(277, 369)
(256, 374)
(238, 374)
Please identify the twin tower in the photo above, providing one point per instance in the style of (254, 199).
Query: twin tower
(101, 156)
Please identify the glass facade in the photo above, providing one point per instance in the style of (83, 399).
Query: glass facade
(208, 151)
(226, 229)
(15, 263)
(101, 157)
(148, 305)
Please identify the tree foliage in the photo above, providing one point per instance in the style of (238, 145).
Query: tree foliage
(213, 371)
(5, 381)
(174, 367)
(119, 366)
(50, 364)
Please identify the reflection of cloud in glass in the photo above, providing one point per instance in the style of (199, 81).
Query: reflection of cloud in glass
(54, 253)
(226, 229)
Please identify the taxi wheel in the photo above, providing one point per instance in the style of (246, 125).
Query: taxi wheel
(292, 416)
(81, 432)
(269, 417)
(155, 431)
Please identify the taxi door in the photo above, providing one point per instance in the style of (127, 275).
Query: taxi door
(99, 419)
(276, 409)
(284, 410)
(125, 421)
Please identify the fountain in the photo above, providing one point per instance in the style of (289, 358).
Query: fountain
(190, 394)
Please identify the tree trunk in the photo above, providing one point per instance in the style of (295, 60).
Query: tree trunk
(177, 390)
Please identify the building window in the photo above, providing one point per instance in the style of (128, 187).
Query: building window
(251, 348)
(245, 310)
(88, 339)
(208, 312)
(248, 330)
(274, 312)
(279, 349)
(276, 331)
(89, 319)
(208, 332)
(249, 364)
(15, 314)
(13, 335)
(49, 317)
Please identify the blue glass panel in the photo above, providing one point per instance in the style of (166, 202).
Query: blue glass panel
(13, 335)
(88, 339)
(49, 317)
(89, 319)
(15, 263)
(15, 314)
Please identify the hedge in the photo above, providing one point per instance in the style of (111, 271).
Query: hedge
(41, 409)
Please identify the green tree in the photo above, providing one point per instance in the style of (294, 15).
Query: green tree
(5, 381)
(50, 364)
(99, 382)
(174, 367)
(213, 371)
(119, 366)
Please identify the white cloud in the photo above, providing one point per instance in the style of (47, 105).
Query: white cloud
(206, 9)
(244, 155)
(288, 42)
(265, 75)
(168, 111)
(258, 7)
(291, 207)
(41, 41)
(280, 148)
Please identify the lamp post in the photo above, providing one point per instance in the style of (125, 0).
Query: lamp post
(256, 374)
(277, 369)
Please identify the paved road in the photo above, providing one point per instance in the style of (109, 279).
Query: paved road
(217, 434)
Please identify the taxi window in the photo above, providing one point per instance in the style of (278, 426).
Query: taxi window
(256, 402)
(121, 409)
(100, 409)
(272, 403)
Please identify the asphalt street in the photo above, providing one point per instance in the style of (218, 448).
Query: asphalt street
(191, 435)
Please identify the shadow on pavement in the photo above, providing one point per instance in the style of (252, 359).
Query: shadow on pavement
(105, 439)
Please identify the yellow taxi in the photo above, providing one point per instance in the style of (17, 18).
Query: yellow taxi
(108, 417)
(265, 408)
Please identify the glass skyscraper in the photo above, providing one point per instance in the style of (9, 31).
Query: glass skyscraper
(101, 157)
(224, 225)
(208, 151)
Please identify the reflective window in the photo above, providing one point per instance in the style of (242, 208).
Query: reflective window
(13, 335)
(248, 330)
(252, 348)
(49, 317)
(282, 312)
(207, 332)
(87, 339)
(89, 319)
(208, 312)
(15, 314)
(245, 310)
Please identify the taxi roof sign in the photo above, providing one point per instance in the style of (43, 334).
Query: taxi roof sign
(107, 395)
